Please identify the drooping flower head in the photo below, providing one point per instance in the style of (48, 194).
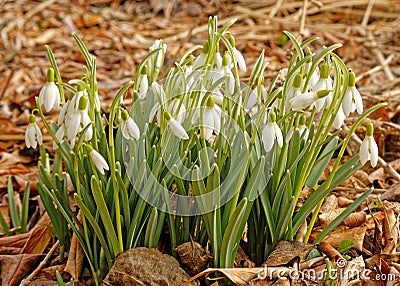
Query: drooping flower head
(33, 135)
(352, 100)
(97, 159)
(237, 54)
(49, 95)
(303, 101)
(175, 126)
(129, 127)
(143, 83)
(324, 83)
(272, 133)
(369, 148)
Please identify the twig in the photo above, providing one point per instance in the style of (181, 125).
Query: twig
(380, 57)
(303, 16)
(384, 164)
(375, 69)
(367, 13)
(275, 9)
(42, 264)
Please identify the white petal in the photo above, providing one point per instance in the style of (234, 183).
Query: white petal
(373, 149)
(268, 137)
(143, 86)
(217, 120)
(339, 118)
(29, 136)
(278, 134)
(133, 129)
(73, 126)
(199, 61)
(364, 153)
(63, 110)
(358, 101)
(303, 101)
(177, 129)
(240, 59)
(347, 102)
(289, 135)
(208, 123)
(60, 136)
(153, 111)
(252, 100)
(38, 134)
(99, 161)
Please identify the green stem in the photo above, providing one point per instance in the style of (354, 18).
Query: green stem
(111, 161)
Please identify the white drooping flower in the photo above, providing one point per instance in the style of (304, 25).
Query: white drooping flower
(77, 119)
(293, 91)
(143, 83)
(339, 118)
(324, 83)
(352, 99)
(238, 55)
(228, 73)
(369, 148)
(176, 128)
(200, 61)
(33, 135)
(129, 128)
(97, 159)
(209, 117)
(159, 56)
(49, 95)
(304, 100)
(60, 135)
(271, 133)
(314, 75)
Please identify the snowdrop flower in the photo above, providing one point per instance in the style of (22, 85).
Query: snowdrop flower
(339, 118)
(352, 99)
(369, 148)
(200, 61)
(129, 127)
(293, 91)
(271, 132)
(324, 83)
(211, 117)
(258, 93)
(228, 73)
(175, 126)
(238, 55)
(79, 121)
(143, 83)
(33, 135)
(60, 135)
(303, 130)
(160, 55)
(97, 159)
(49, 95)
(303, 101)
(177, 109)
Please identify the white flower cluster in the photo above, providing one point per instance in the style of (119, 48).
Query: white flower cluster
(198, 94)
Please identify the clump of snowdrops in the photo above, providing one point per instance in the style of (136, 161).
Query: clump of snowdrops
(200, 151)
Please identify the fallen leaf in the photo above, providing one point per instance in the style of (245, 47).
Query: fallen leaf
(355, 234)
(355, 219)
(390, 231)
(146, 266)
(38, 240)
(15, 267)
(75, 258)
(286, 251)
(192, 256)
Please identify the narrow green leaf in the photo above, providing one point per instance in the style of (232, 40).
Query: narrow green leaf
(105, 215)
(14, 211)
(25, 207)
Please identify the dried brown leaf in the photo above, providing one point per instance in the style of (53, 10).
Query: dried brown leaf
(15, 267)
(144, 266)
(38, 240)
(355, 219)
(286, 251)
(355, 234)
(75, 258)
(391, 231)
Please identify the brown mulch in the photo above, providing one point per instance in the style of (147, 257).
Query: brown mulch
(119, 33)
